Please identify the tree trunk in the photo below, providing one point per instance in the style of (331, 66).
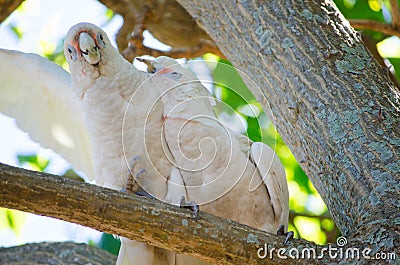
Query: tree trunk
(332, 103)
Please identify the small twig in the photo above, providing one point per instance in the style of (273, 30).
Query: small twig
(375, 25)
(185, 52)
(394, 5)
(137, 33)
(136, 47)
(293, 214)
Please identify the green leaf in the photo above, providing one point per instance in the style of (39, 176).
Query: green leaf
(34, 161)
(233, 90)
(253, 129)
(12, 219)
(16, 30)
(327, 224)
(301, 178)
(110, 243)
(309, 229)
(71, 174)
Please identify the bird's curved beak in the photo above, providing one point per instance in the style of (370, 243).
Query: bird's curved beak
(88, 48)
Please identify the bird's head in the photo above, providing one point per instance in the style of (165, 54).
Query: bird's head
(86, 43)
(89, 53)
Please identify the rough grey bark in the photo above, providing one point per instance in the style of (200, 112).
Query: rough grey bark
(332, 103)
(59, 253)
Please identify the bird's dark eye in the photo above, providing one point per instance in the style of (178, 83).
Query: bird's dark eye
(72, 52)
(100, 40)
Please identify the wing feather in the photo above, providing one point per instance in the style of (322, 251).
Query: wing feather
(38, 94)
(274, 178)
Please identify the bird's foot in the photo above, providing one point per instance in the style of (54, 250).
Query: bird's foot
(139, 192)
(128, 189)
(190, 205)
(144, 193)
(281, 232)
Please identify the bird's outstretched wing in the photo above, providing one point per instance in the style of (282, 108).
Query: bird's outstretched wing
(38, 94)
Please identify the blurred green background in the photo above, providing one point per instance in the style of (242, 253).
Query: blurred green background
(309, 217)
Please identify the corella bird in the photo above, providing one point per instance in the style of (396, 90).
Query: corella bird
(149, 133)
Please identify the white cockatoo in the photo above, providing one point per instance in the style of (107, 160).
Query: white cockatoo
(153, 133)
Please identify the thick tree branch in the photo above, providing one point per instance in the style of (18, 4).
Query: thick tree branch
(7, 7)
(212, 238)
(167, 21)
(345, 124)
(63, 253)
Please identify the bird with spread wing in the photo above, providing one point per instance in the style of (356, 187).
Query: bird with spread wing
(153, 133)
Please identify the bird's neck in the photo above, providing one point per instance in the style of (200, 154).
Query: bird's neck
(115, 70)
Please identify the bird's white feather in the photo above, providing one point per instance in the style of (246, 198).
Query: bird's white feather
(192, 131)
(38, 94)
(273, 177)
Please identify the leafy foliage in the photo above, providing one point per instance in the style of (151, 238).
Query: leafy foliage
(362, 9)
